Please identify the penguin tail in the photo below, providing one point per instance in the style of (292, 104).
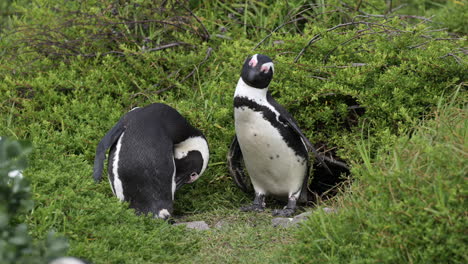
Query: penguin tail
(106, 142)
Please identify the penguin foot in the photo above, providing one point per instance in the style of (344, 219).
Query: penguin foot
(286, 212)
(258, 204)
(252, 208)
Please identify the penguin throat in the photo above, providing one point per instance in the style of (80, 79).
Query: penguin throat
(245, 90)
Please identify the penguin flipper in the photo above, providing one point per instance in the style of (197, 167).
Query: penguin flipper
(106, 142)
(287, 118)
(305, 194)
(234, 160)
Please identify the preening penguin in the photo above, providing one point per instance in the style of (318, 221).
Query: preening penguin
(273, 148)
(153, 152)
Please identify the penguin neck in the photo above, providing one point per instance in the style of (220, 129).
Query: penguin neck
(197, 143)
(245, 90)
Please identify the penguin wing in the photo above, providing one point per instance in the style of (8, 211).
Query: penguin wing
(234, 160)
(287, 118)
(106, 142)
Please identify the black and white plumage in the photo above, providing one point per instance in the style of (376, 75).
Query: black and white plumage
(153, 152)
(268, 139)
(69, 260)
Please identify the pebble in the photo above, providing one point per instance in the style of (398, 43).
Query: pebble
(197, 225)
(221, 224)
(288, 222)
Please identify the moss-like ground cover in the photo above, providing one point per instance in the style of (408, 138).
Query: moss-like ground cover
(359, 83)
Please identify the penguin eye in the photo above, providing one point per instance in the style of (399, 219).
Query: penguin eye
(253, 62)
(193, 177)
(266, 67)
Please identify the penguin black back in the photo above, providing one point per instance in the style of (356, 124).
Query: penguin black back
(153, 151)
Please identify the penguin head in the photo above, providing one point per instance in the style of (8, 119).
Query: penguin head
(191, 159)
(188, 168)
(257, 71)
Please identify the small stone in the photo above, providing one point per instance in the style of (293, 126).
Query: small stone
(198, 225)
(288, 222)
(220, 224)
(281, 222)
(329, 210)
(303, 216)
(300, 218)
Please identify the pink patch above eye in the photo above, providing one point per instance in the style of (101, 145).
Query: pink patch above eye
(265, 69)
(253, 62)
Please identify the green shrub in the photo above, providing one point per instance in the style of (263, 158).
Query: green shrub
(405, 206)
(16, 245)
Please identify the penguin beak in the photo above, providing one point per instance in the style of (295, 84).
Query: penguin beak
(193, 177)
(251, 75)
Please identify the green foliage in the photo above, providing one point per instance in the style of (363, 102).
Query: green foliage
(16, 245)
(68, 76)
(406, 206)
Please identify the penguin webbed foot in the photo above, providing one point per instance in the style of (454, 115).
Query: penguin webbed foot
(258, 204)
(288, 210)
(252, 208)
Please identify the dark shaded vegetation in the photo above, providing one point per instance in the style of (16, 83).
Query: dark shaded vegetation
(355, 74)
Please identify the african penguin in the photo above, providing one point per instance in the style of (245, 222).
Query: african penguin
(274, 150)
(153, 152)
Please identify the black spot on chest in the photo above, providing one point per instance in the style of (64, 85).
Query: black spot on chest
(292, 139)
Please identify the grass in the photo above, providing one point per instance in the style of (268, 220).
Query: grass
(406, 206)
(64, 105)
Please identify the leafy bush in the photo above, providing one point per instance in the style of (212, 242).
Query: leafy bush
(16, 245)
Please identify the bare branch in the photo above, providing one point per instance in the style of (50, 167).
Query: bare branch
(206, 37)
(170, 45)
(276, 29)
(317, 37)
(327, 56)
(457, 59)
(207, 56)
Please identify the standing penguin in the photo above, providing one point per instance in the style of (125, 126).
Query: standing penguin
(274, 150)
(153, 152)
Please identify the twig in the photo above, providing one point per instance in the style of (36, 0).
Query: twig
(356, 64)
(358, 5)
(430, 40)
(317, 37)
(318, 77)
(207, 56)
(415, 17)
(170, 45)
(289, 22)
(458, 59)
(314, 39)
(277, 28)
(347, 41)
(207, 34)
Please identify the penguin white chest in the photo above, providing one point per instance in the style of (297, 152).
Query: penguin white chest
(274, 168)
